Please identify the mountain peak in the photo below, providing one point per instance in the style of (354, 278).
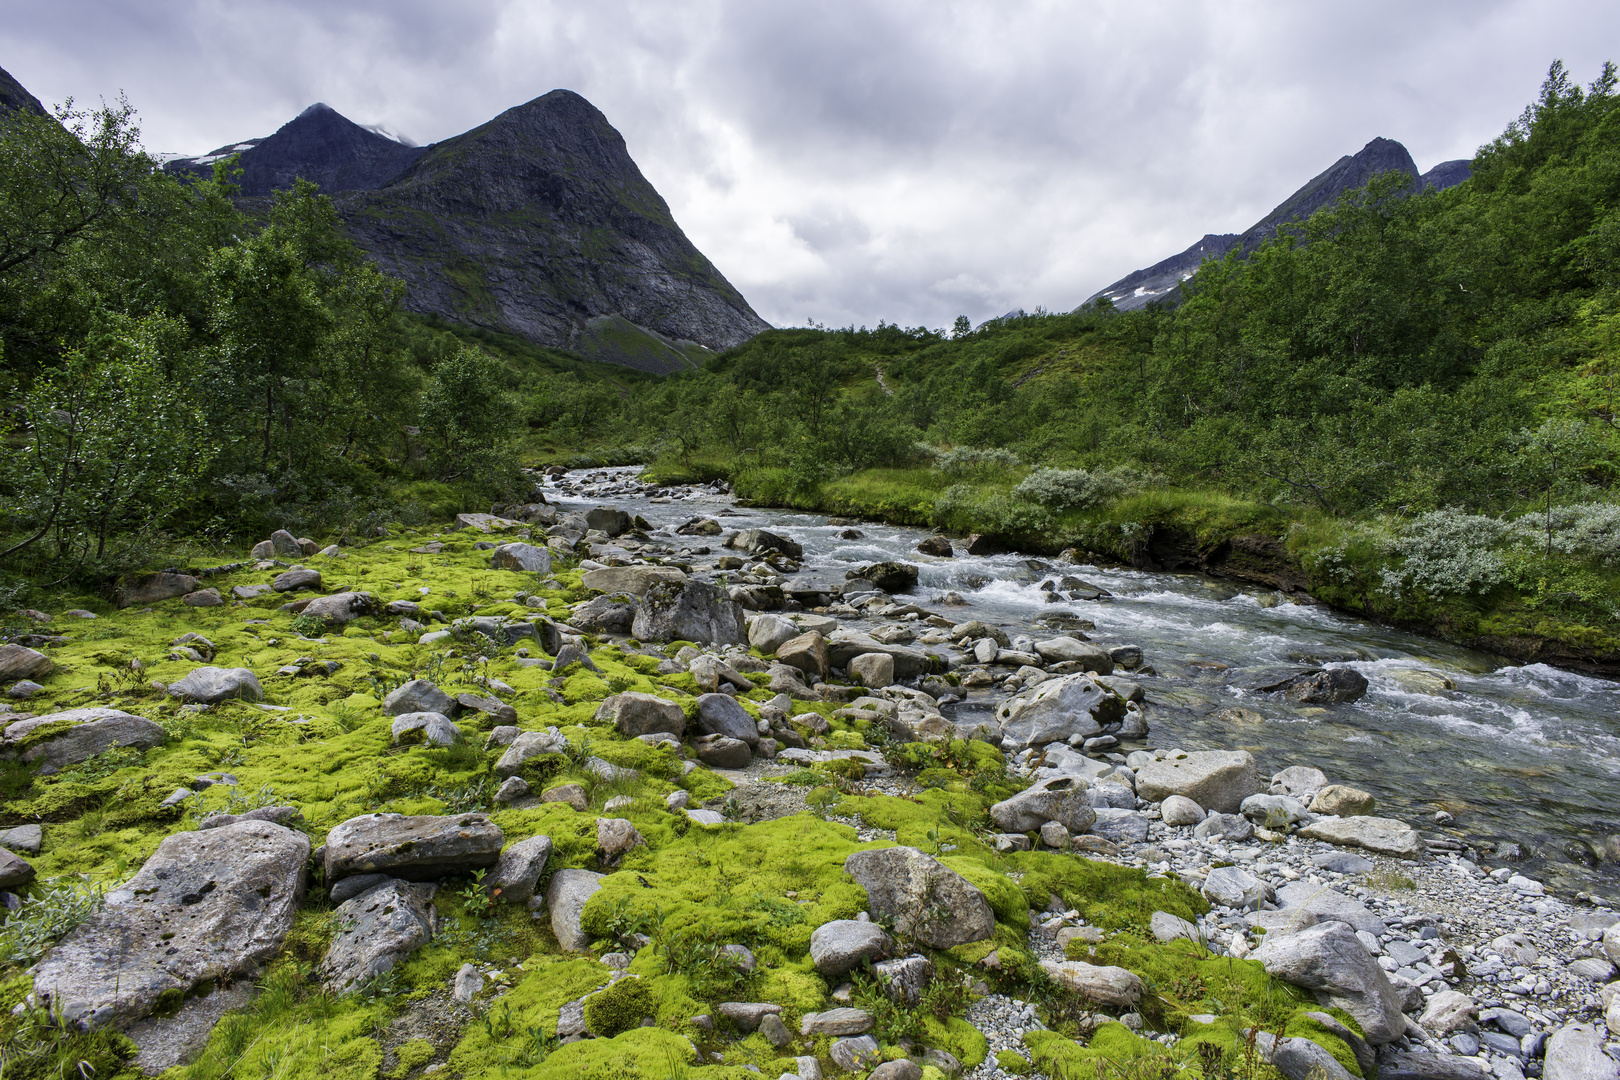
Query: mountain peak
(14, 97)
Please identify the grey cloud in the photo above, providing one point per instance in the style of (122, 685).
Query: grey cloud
(907, 160)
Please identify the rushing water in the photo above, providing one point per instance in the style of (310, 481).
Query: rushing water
(1527, 754)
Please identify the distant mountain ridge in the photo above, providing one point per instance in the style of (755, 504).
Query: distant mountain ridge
(14, 97)
(537, 224)
(1161, 280)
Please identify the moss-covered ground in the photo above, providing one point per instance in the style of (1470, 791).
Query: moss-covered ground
(321, 742)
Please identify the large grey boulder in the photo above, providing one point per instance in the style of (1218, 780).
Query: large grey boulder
(1575, 1052)
(1340, 684)
(299, 577)
(154, 588)
(927, 901)
(844, 645)
(807, 652)
(608, 519)
(1214, 779)
(1057, 710)
(519, 869)
(904, 979)
(1234, 887)
(205, 906)
(721, 752)
(527, 746)
(414, 847)
(211, 685)
(1061, 799)
(566, 895)
(285, 544)
(419, 695)
(1330, 960)
(766, 632)
(633, 580)
(376, 930)
(20, 662)
(15, 871)
(605, 615)
(1061, 650)
(1301, 1059)
(1324, 903)
(1299, 782)
(755, 541)
(873, 670)
(1429, 1067)
(1112, 987)
(525, 558)
(424, 727)
(840, 946)
(341, 607)
(66, 738)
(719, 714)
(690, 611)
(1384, 836)
(890, 577)
(1116, 823)
(633, 713)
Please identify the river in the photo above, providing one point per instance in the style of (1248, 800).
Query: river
(1517, 754)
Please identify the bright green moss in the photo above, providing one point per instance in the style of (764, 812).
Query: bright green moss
(1010, 1061)
(619, 1008)
(412, 1055)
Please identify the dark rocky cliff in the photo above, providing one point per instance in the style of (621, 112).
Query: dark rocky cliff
(318, 145)
(1162, 280)
(536, 224)
(13, 96)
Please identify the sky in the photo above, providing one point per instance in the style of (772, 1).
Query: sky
(845, 163)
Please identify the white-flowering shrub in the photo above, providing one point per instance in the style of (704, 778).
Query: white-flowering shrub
(967, 459)
(1448, 551)
(1076, 488)
(1587, 530)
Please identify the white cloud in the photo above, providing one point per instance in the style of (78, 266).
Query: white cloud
(907, 160)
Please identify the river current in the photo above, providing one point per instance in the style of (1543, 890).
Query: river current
(1525, 755)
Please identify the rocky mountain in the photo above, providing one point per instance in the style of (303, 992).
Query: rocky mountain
(13, 96)
(1162, 279)
(319, 145)
(537, 224)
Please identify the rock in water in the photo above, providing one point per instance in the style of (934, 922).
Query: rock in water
(890, 577)
(205, 906)
(690, 611)
(417, 848)
(927, 901)
(376, 930)
(1329, 959)
(1326, 687)
(1214, 779)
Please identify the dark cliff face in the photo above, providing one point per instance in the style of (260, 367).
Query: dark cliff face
(1162, 281)
(538, 222)
(13, 96)
(318, 145)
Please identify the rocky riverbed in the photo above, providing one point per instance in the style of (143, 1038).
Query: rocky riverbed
(626, 780)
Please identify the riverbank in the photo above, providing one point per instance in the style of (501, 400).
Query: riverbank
(1555, 610)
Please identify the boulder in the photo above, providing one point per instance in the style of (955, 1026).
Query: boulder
(608, 519)
(1327, 687)
(1431, 1067)
(376, 930)
(898, 1069)
(485, 522)
(844, 645)
(1575, 1052)
(492, 707)
(27, 839)
(15, 872)
(927, 901)
(1299, 782)
(1233, 828)
(709, 671)
(1384, 836)
(1328, 959)
(19, 662)
(205, 906)
(67, 738)
(1301, 1059)
(341, 607)
(875, 670)
(634, 714)
(1274, 811)
(844, 1021)
(154, 588)
(1180, 810)
(211, 685)
(1214, 779)
(1340, 800)
(807, 652)
(840, 946)
(1111, 987)
(419, 695)
(937, 546)
(889, 577)
(1448, 1012)
(755, 541)
(285, 544)
(297, 578)
(1058, 710)
(719, 714)
(693, 611)
(855, 1054)
(605, 615)
(1167, 927)
(525, 558)
(1234, 888)
(766, 632)
(1119, 825)
(615, 836)
(1324, 904)
(566, 894)
(414, 847)
(1064, 650)
(529, 745)
(569, 794)
(425, 727)
(632, 580)
(721, 752)
(1061, 799)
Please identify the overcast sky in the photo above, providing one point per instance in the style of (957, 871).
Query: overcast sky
(909, 160)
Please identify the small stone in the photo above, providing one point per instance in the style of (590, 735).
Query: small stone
(468, 983)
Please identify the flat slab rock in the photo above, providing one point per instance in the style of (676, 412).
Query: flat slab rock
(1383, 836)
(206, 905)
(86, 733)
(412, 847)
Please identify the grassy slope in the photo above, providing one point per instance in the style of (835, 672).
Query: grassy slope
(766, 885)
